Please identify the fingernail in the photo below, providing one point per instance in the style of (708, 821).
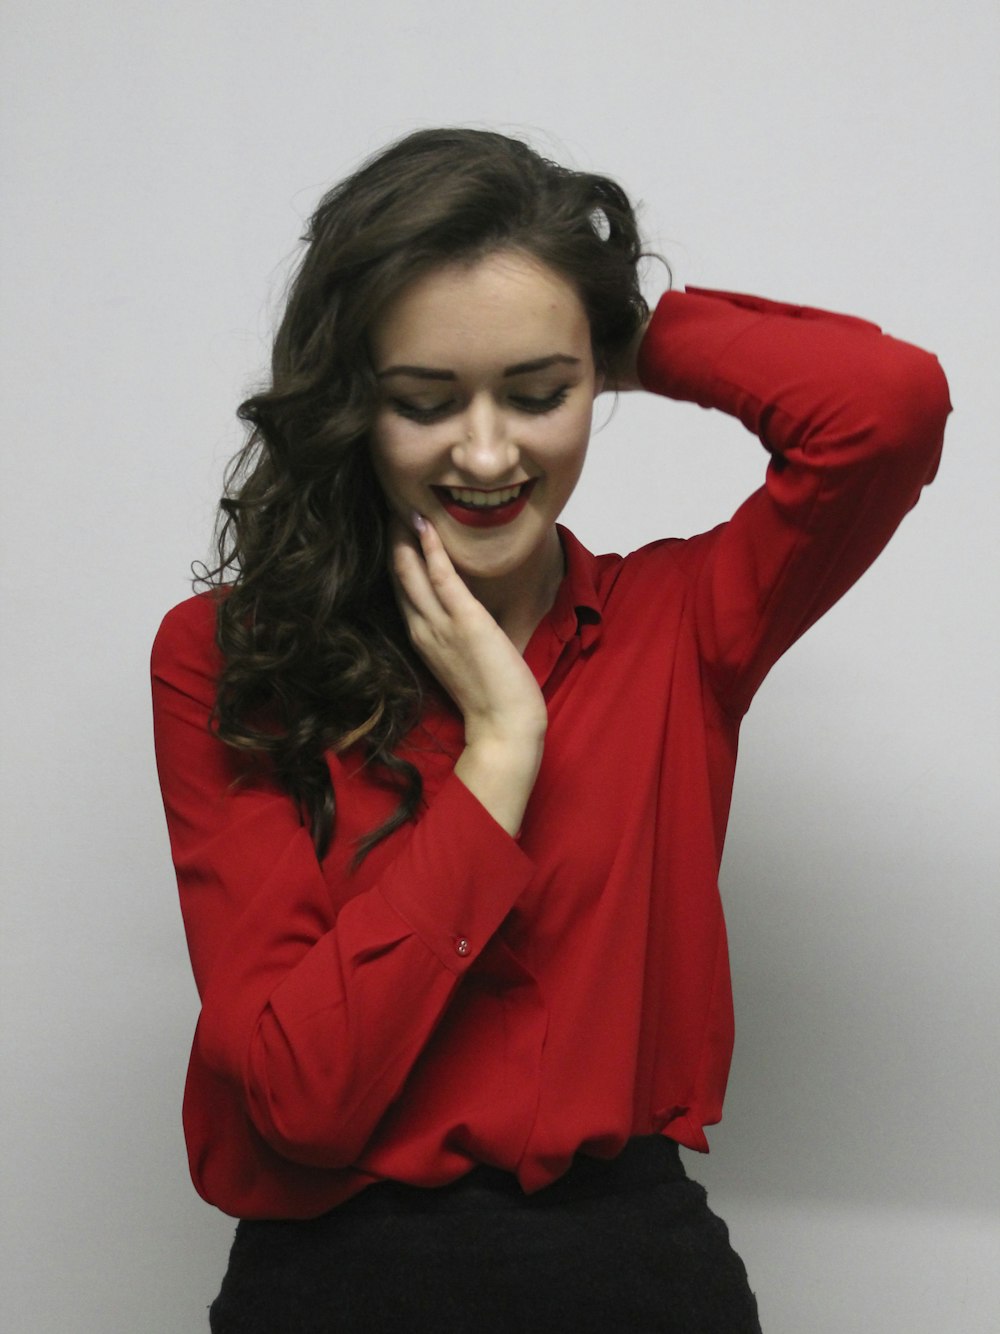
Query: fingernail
(418, 521)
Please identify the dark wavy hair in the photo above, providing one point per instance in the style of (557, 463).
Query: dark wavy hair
(315, 652)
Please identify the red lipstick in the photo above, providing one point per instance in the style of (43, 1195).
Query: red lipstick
(484, 516)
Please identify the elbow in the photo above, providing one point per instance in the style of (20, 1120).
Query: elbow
(913, 406)
(304, 1105)
(305, 1136)
(307, 1142)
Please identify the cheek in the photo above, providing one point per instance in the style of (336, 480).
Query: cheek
(568, 451)
(391, 459)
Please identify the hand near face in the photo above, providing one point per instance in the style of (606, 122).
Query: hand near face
(486, 385)
(624, 376)
(467, 651)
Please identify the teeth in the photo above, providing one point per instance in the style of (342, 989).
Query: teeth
(484, 499)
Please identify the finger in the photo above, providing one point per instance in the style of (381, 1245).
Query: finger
(400, 535)
(445, 580)
(417, 623)
(409, 574)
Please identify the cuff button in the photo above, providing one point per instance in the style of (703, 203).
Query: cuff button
(462, 946)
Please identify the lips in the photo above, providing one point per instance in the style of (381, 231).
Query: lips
(484, 509)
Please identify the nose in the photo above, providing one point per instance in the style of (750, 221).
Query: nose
(484, 449)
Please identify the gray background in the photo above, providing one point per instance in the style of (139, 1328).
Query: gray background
(158, 163)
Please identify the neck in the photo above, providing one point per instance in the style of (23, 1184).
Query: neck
(519, 602)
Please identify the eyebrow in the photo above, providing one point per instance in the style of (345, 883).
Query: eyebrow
(521, 368)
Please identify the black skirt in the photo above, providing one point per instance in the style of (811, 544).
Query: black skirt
(621, 1247)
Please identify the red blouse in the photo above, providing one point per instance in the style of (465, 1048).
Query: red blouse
(466, 997)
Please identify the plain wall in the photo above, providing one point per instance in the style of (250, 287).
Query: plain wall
(158, 162)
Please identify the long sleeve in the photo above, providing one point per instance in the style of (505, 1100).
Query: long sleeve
(854, 422)
(464, 997)
(319, 989)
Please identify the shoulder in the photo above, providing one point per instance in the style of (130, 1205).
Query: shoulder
(658, 569)
(662, 564)
(185, 642)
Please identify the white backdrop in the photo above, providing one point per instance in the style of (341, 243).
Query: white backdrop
(158, 162)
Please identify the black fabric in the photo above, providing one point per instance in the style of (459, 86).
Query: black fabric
(621, 1247)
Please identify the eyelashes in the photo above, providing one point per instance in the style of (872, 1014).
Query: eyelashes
(539, 405)
(522, 402)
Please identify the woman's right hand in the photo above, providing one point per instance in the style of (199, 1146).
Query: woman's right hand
(467, 651)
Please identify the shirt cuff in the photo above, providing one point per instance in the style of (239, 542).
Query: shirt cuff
(458, 878)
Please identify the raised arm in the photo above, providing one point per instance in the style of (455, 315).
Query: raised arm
(853, 420)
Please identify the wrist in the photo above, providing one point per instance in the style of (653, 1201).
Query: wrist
(513, 753)
(501, 773)
(624, 375)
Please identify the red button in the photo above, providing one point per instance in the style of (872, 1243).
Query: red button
(462, 946)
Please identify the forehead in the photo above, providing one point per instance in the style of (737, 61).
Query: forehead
(504, 308)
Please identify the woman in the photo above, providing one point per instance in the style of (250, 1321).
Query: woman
(447, 794)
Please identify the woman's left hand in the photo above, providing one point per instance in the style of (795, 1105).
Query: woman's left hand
(624, 375)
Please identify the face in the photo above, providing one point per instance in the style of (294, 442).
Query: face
(487, 387)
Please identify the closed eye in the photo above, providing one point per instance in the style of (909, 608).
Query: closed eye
(426, 414)
(419, 413)
(549, 403)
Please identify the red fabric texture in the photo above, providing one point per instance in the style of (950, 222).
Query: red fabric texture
(466, 997)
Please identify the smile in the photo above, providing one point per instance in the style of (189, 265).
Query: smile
(482, 499)
(481, 509)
